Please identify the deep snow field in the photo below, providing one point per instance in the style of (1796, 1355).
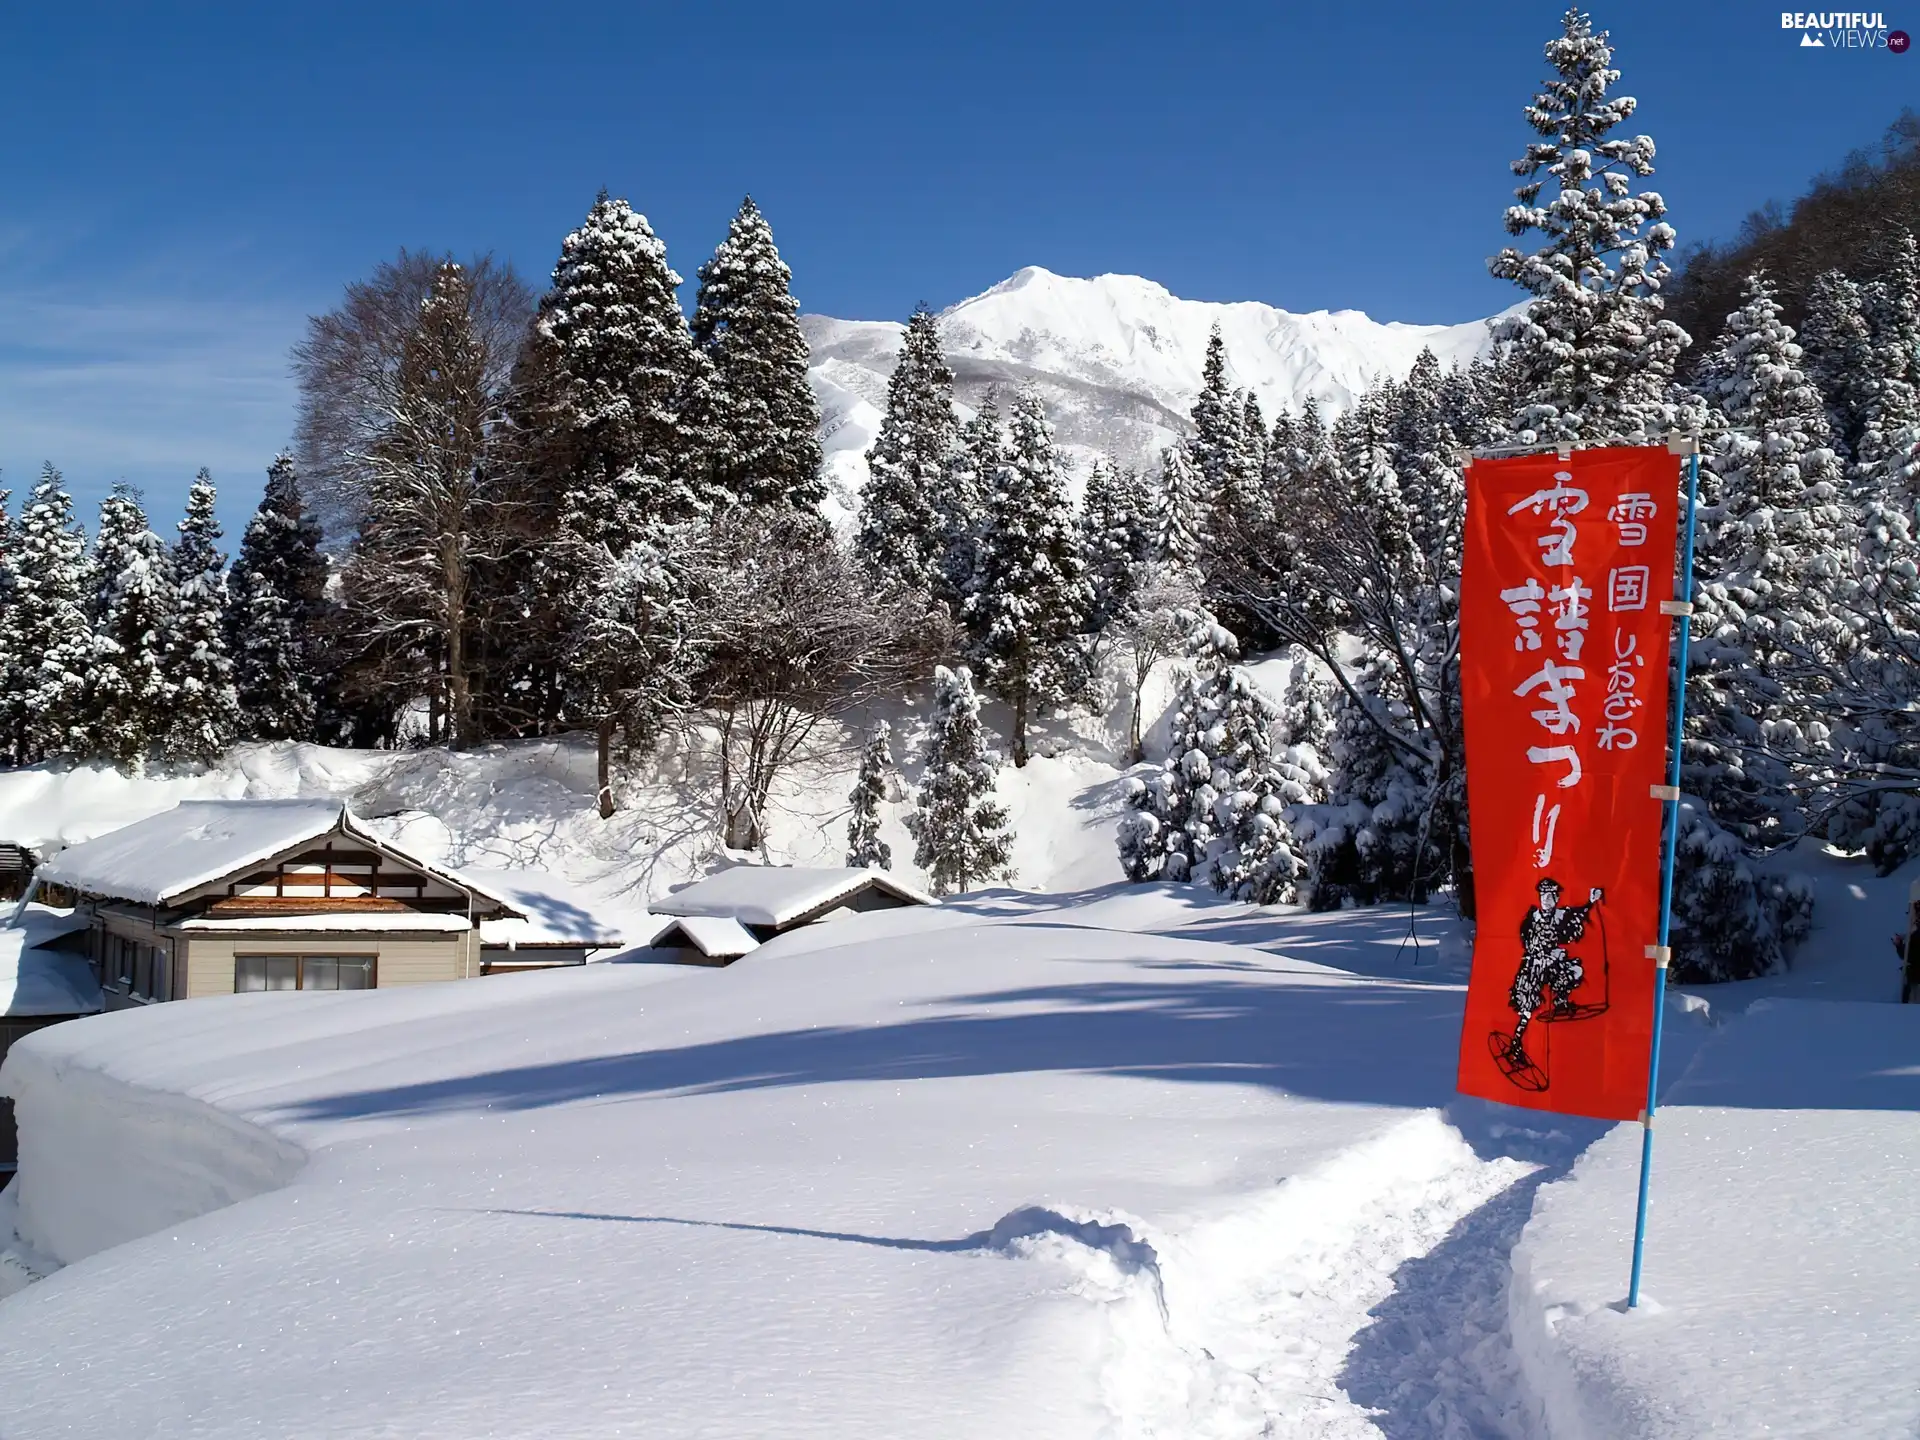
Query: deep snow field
(1075, 1159)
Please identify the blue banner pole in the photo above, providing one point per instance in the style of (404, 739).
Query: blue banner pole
(1683, 607)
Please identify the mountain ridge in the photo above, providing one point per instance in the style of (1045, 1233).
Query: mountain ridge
(1117, 359)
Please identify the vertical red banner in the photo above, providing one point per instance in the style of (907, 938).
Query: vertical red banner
(1563, 659)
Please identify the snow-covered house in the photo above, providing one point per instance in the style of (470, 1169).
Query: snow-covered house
(44, 979)
(217, 896)
(717, 920)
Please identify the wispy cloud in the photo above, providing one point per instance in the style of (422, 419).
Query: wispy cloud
(135, 382)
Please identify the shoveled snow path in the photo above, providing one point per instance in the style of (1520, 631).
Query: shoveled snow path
(1242, 1325)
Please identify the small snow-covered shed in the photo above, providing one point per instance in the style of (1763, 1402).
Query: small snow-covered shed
(555, 923)
(44, 979)
(217, 896)
(728, 914)
(704, 939)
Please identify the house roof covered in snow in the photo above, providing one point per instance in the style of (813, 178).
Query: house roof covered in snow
(200, 842)
(552, 911)
(718, 937)
(36, 980)
(780, 895)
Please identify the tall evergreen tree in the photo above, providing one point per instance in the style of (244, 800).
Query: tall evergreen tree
(1839, 343)
(615, 363)
(960, 831)
(902, 538)
(1258, 859)
(1594, 353)
(962, 508)
(1892, 406)
(865, 848)
(127, 699)
(1771, 569)
(275, 598)
(203, 707)
(1373, 839)
(49, 627)
(765, 421)
(1253, 446)
(608, 373)
(1032, 594)
(1216, 447)
(1116, 540)
(1177, 534)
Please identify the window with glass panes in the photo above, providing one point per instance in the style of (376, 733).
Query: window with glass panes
(302, 972)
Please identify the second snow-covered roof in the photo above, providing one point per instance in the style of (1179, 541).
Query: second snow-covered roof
(555, 912)
(779, 895)
(38, 981)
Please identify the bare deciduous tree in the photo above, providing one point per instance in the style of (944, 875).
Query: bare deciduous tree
(795, 640)
(401, 390)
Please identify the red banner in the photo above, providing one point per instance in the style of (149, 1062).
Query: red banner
(1563, 655)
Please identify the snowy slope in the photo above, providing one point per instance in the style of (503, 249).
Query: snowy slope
(984, 1170)
(1117, 358)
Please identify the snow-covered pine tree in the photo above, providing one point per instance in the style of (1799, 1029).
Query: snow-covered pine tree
(1214, 810)
(1839, 354)
(1170, 822)
(960, 830)
(275, 596)
(765, 419)
(1031, 594)
(203, 709)
(610, 370)
(49, 638)
(1365, 843)
(1169, 825)
(901, 542)
(1422, 443)
(1255, 857)
(616, 366)
(1216, 449)
(1770, 587)
(127, 695)
(1305, 727)
(1731, 919)
(1594, 354)
(1177, 533)
(962, 509)
(865, 848)
(1116, 540)
(1892, 405)
(1253, 446)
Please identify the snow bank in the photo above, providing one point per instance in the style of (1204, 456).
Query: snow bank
(1783, 1251)
(103, 1162)
(982, 1169)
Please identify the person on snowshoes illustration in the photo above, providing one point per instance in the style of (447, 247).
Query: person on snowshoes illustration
(1545, 964)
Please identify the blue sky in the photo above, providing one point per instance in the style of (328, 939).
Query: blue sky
(184, 186)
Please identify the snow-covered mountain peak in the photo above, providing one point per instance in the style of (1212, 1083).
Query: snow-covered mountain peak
(1117, 359)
